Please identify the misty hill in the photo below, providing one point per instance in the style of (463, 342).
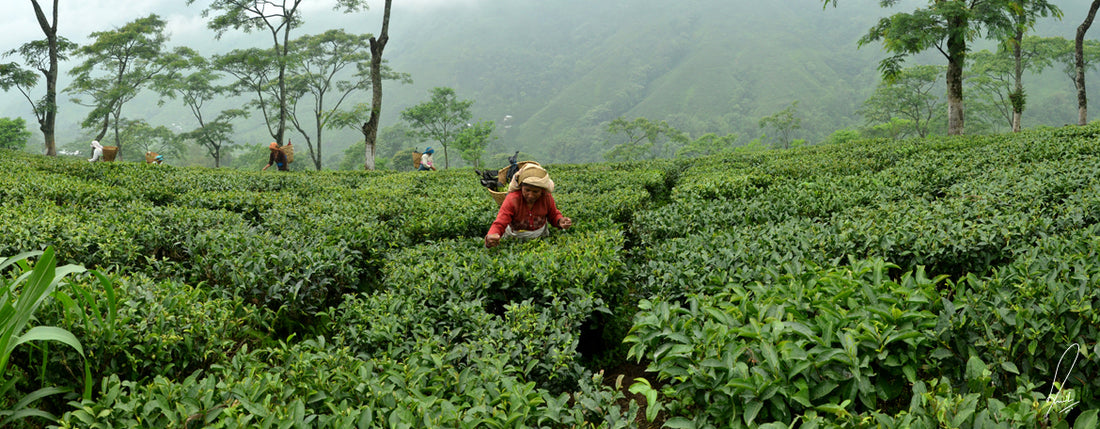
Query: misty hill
(562, 69)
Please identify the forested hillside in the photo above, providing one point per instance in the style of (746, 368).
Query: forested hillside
(563, 70)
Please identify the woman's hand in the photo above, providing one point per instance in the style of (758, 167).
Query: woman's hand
(492, 240)
(565, 223)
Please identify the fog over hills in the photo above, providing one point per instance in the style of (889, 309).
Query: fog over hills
(561, 70)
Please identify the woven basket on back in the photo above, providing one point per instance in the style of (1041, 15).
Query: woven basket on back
(288, 150)
(416, 160)
(150, 157)
(498, 196)
(109, 153)
(502, 177)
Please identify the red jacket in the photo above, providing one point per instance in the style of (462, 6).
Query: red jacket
(514, 212)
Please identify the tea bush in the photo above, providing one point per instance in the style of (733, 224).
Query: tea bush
(313, 384)
(812, 338)
(145, 328)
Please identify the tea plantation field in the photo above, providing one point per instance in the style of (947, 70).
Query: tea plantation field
(944, 282)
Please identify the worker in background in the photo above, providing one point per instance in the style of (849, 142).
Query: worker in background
(426, 160)
(277, 158)
(97, 151)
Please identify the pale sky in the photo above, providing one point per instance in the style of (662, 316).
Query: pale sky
(78, 19)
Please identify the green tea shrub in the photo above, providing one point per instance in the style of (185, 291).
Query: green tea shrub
(251, 206)
(513, 271)
(345, 225)
(432, 218)
(1029, 313)
(654, 178)
(558, 283)
(313, 384)
(810, 340)
(145, 328)
(715, 261)
(34, 225)
(301, 275)
(540, 341)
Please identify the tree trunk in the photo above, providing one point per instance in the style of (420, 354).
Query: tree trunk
(48, 124)
(1079, 43)
(1018, 102)
(280, 130)
(370, 128)
(103, 130)
(956, 51)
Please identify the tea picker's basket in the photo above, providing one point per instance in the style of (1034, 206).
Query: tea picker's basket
(109, 153)
(498, 196)
(150, 157)
(416, 160)
(502, 177)
(288, 150)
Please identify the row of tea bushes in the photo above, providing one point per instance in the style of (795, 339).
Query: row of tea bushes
(277, 239)
(143, 328)
(971, 223)
(845, 344)
(439, 345)
(744, 270)
(316, 384)
(814, 338)
(552, 288)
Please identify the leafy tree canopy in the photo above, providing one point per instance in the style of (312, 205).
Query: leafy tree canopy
(439, 119)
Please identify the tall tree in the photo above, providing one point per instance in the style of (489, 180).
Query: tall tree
(472, 141)
(784, 122)
(45, 59)
(193, 80)
(377, 46)
(1079, 50)
(319, 62)
(990, 77)
(215, 135)
(278, 18)
(141, 137)
(706, 145)
(996, 77)
(1023, 14)
(37, 57)
(440, 118)
(914, 96)
(257, 73)
(117, 65)
(1065, 54)
(644, 139)
(14, 75)
(946, 25)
